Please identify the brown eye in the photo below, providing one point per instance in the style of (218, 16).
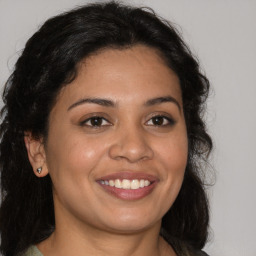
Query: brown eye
(95, 121)
(160, 121)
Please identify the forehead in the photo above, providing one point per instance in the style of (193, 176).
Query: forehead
(122, 73)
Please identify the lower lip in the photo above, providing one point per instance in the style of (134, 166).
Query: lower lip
(129, 194)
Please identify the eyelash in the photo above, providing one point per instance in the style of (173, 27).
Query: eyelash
(167, 121)
(99, 118)
(164, 121)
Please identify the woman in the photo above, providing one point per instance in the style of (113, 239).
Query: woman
(103, 139)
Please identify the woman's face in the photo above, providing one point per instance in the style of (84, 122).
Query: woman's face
(117, 144)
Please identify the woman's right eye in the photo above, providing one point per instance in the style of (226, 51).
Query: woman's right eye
(95, 122)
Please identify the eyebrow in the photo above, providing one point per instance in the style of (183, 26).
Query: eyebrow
(110, 103)
(160, 100)
(102, 102)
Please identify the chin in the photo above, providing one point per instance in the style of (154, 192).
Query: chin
(130, 223)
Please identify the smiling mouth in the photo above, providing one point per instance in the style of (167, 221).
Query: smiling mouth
(128, 186)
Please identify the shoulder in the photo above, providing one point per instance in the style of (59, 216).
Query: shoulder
(32, 251)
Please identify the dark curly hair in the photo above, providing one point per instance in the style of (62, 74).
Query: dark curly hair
(49, 62)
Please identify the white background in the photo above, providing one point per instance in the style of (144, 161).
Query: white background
(222, 33)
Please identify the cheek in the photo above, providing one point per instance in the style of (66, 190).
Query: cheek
(73, 156)
(72, 164)
(174, 153)
(171, 162)
(173, 158)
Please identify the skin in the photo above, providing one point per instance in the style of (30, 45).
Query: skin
(129, 138)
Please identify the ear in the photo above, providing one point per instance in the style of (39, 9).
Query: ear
(36, 154)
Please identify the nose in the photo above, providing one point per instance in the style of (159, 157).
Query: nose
(131, 144)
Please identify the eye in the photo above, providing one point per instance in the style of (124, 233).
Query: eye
(96, 122)
(160, 121)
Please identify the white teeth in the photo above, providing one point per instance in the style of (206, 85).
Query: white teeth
(142, 183)
(118, 184)
(146, 183)
(126, 184)
(111, 183)
(135, 184)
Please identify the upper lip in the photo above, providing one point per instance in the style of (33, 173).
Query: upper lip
(129, 176)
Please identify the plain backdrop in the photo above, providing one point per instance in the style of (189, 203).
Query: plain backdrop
(222, 33)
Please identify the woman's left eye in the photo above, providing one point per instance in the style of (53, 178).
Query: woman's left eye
(160, 121)
(96, 122)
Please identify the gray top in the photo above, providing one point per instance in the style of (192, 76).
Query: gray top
(32, 251)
